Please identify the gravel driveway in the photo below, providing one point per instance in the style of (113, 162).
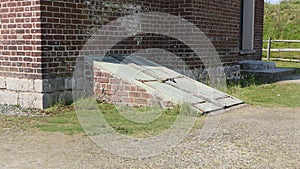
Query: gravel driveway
(250, 137)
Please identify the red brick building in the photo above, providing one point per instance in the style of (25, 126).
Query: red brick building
(40, 40)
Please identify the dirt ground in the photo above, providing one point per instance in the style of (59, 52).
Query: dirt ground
(249, 137)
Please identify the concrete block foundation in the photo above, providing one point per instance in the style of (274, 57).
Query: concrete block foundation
(30, 93)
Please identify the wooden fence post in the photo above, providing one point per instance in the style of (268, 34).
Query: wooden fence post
(269, 48)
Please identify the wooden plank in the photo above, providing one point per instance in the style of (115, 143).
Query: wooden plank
(148, 75)
(197, 87)
(176, 94)
(283, 50)
(269, 48)
(229, 101)
(287, 41)
(207, 107)
(186, 84)
(286, 60)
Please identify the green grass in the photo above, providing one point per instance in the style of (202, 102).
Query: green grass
(130, 121)
(284, 55)
(294, 65)
(65, 122)
(256, 92)
(60, 119)
(269, 95)
(64, 119)
(281, 21)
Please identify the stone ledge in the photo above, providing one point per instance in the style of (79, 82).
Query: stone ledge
(35, 93)
(257, 65)
(3, 83)
(34, 99)
(271, 75)
(36, 85)
(9, 97)
(24, 85)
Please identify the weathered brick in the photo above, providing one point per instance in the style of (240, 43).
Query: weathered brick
(121, 93)
(134, 94)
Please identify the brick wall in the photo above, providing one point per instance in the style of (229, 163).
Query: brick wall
(20, 48)
(41, 40)
(62, 26)
(258, 30)
(67, 24)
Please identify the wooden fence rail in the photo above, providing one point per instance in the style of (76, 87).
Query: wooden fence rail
(270, 41)
(288, 41)
(283, 50)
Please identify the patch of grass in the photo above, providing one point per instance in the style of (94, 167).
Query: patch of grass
(293, 65)
(65, 122)
(64, 119)
(245, 81)
(255, 92)
(281, 21)
(12, 122)
(270, 95)
(125, 126)
(60, 119)
(128, 126)
(284, 55)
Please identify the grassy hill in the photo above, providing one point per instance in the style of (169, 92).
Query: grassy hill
(282, 21)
